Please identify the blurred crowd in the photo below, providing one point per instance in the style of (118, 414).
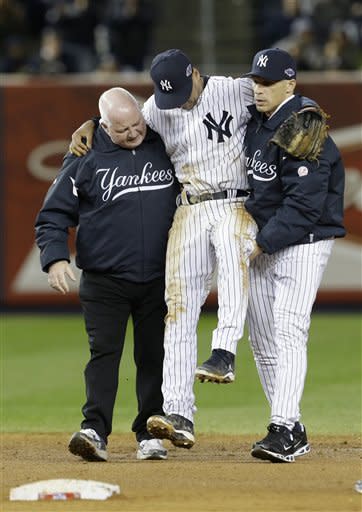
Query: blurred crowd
(74, 36)
(320, 34)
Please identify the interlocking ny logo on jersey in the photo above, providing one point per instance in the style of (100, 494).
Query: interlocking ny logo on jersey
(263, 59)
(166, 86)
(223, 128)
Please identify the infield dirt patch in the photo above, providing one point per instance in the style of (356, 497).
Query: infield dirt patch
(217, 474)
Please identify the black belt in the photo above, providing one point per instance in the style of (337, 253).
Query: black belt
(187, 198)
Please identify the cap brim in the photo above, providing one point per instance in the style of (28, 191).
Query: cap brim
(260, 75)
(267, 78)
(247, 75)
(166, 101)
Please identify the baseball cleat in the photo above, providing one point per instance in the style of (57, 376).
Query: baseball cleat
(219, 368)
(301, 445)
(277, 446)
(151, 449)
(87, 444)
(176, 428)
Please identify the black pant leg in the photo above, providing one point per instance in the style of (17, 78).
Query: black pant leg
(148, 319)
(106, 311)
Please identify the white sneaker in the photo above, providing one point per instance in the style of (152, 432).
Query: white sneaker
(89, 445)
(151, 449)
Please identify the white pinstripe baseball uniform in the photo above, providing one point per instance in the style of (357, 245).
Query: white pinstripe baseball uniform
(205, 146)
(283, 288)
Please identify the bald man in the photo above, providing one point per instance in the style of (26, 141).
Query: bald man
(121, 198)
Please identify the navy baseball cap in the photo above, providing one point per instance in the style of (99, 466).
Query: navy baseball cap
(273, 64)
(171, 73)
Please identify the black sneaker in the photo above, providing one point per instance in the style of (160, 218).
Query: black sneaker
(277, 446)
(218, 368)
(88, 445)
(301, 445)
(176, 428)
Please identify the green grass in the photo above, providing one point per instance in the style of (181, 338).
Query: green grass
(43, 357)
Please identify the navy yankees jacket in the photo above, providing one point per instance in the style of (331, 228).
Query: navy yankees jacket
(122, 202)
(292, 201)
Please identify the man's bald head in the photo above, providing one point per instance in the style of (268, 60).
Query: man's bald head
(121, 118)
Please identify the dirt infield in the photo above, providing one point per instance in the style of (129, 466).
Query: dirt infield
(217, 474)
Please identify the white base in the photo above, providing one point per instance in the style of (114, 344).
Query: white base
(63, 489)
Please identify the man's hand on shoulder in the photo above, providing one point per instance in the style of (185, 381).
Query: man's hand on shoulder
(82, 139)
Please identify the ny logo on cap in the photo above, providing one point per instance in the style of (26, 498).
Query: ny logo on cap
(263, 59)
(166, 86)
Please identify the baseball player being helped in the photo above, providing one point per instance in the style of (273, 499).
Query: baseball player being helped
(297, 188)
(202, 121)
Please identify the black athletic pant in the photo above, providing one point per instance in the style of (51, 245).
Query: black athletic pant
(107, 303)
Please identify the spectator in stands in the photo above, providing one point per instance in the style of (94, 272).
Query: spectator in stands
(12, 19)
(325, 12)
(34, 14)
(115, 35)
(53, 56)
(341, 52)
(326, 35)
(13, 56)
(301, 43)
(129, 27)
(353, 23)
(14, 36)
(76, 21)
(273, 20)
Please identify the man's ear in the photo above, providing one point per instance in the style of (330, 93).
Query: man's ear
(104, 126)
(196, 73)
(291, 86)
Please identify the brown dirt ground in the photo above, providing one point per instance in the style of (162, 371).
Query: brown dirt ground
(217, 474)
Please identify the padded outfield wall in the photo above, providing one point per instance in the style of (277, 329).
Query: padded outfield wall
(38, 117)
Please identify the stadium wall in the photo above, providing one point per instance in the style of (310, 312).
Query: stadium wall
(38, 118)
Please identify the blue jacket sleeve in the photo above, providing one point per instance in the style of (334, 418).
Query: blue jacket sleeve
(305, 191)
(59, 212)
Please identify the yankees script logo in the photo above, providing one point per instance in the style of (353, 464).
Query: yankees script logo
(149, 179)
(260, 170)
(223, 128)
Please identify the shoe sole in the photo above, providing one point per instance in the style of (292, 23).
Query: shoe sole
(260, 453)
(303, 450)
(79, 445)
(162, 429)
(206, 376)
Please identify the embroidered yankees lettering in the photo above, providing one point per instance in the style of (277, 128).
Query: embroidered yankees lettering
(148, 180)
(260, 170)
(211, 124)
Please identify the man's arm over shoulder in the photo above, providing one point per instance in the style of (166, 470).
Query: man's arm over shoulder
(59, 212)
(149, 111)
(82, 138)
